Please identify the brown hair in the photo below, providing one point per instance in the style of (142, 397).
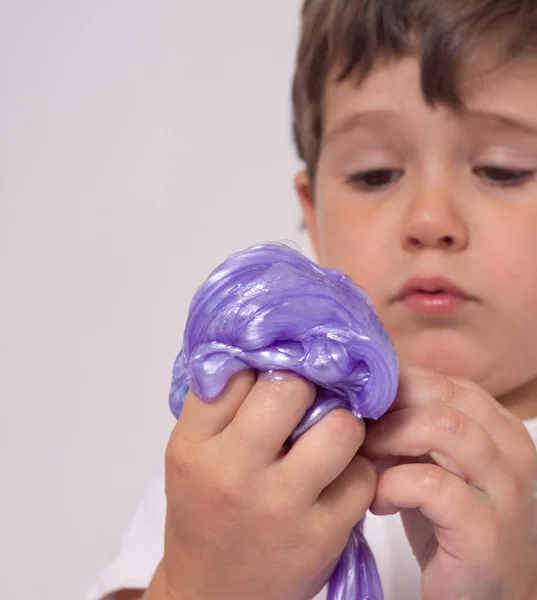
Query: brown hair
(352, 35)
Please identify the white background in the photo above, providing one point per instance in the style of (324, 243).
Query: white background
(140, 144)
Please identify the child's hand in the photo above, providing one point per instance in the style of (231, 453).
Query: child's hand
(248, 519)
(470, 517)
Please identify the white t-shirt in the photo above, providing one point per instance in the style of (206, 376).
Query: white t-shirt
(142, 546)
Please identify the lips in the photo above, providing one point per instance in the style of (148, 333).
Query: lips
(433, 295)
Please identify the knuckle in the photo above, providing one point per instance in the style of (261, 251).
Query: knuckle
(225, 481)
(177, 458)
(245, 377)
(443, 389)
(293, 387)
(368, 475)
(433, 480)
(231, 483)
(301, 390)
(449, 422)
(468, 384)
(410, 371)
(344, 425)
(240, 385)
(275, 509)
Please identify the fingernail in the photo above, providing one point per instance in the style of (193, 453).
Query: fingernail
(278, 376)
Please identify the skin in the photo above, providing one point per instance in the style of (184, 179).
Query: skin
(407, 190)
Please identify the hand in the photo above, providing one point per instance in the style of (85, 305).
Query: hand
(247, 516)
(470, 516)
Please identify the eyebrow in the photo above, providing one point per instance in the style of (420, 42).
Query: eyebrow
(507, 121)
(354, 121)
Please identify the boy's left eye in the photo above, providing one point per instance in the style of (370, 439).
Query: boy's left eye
(501, 176)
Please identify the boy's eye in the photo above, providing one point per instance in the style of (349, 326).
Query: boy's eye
(504, 177)
(374, 179)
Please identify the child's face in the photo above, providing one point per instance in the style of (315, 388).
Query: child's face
(404, 190)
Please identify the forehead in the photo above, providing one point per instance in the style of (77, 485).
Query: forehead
(508, 95)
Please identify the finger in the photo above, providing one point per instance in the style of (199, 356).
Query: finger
(200, 420)
(452, 439)
(419, 387)
(461, 515)
(512, 436)
(351, 494)
(321, 454)
(268, 416)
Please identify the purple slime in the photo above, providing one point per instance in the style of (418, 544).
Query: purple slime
(271, 308)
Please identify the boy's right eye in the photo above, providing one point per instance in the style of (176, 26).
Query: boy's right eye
(374, 179)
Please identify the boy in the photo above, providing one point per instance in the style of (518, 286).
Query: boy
(417, 123)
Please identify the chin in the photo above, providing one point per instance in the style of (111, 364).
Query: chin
(446, 352)
(454, 354)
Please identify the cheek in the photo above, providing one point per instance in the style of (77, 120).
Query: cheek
(516, 297)
(510, 257)
(357, 240)
(508, 272)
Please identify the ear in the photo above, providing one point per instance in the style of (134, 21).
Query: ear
(309, 210)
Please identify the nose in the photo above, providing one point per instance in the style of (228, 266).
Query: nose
(433, 221)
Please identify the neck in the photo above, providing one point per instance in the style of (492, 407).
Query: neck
(522, 401)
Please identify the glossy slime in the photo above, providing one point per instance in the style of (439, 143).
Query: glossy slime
(270, 308)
